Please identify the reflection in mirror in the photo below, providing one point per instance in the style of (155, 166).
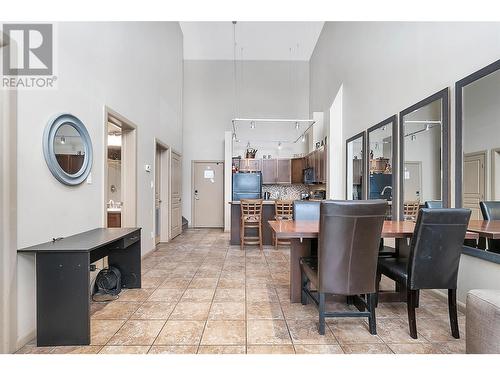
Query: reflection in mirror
(69, 149)
(481, 142)
(422, 157)
(380, 163)
(355, 167)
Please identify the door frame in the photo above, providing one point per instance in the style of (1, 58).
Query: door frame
(165, 175)
(493, 153)
(173, 151)
(193, 163)
(129, 174)
(485, 154)
(8, 217)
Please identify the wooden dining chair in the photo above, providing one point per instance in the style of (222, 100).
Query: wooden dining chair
(251, 218)
(283, 210)
(410, 210)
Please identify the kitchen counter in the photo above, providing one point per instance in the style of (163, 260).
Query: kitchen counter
(263, 202)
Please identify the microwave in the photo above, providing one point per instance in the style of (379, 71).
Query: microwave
(309, 176)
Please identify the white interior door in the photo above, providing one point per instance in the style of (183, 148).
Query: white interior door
(412, 181)
(474, 183)
(175, 195)
(208, 194)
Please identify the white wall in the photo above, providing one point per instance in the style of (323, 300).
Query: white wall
(136, 69)
(265, 89)
(387, 66)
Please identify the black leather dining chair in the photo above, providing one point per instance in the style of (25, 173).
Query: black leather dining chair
(434, 204)
(491, 211)
(306, 210)
(349, 236)
(433, 260)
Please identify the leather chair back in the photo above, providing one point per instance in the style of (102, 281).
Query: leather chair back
(306, 210)
(434, 204)
(490, 210)
(349, 237)
(435, 248)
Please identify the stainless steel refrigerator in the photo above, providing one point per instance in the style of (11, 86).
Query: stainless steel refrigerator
(247, 186)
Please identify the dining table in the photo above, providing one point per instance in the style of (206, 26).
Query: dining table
(301, 232)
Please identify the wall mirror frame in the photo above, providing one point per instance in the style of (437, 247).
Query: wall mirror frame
(362, 165)
(393, 160)
(54, 138)
(460, 148)
(442, 95)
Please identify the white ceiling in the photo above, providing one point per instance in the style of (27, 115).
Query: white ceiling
(255, 40)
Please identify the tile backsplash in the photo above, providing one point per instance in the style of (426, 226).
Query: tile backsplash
(286, 192)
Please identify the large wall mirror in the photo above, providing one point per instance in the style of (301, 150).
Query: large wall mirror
(424, 143)
(67, 149)
(355, 167)
(477, 166)
(382, 151)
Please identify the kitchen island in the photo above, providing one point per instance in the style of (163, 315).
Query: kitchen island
(267, 214)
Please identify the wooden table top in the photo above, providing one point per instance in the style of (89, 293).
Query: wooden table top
(287, 229)
(484, 228)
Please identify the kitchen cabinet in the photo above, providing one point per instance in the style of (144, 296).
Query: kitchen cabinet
(276, 171)
(298, 166)
(317, 161)
(269, 171)
(357, 171)
(250, 165)
(284, 171)
(114, 219)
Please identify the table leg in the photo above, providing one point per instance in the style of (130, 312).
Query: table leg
(63, 299)
(299, 248)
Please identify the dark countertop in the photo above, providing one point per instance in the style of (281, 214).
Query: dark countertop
(82, 242)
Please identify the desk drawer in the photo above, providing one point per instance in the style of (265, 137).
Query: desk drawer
(126, 241)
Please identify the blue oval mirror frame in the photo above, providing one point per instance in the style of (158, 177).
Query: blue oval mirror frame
(49, 136)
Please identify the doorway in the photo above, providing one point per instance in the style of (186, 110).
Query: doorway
(413, 181)
(207, 204)
(120, 171)
(175, 194)
(161, 193)
(474, 182)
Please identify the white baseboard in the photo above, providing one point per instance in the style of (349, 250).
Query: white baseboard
(22, 341)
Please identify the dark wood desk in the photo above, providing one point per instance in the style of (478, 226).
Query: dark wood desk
(63, 280)
(300, 232)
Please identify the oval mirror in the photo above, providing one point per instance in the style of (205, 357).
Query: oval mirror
(67, 149)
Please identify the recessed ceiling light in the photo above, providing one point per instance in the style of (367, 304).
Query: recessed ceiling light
(279, 145)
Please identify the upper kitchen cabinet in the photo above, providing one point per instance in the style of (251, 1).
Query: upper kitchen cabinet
(276, 171)
(298, 166)
(250, 165)
(284, 173)
(269, 171)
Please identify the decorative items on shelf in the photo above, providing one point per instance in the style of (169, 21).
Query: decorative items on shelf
(250, 153)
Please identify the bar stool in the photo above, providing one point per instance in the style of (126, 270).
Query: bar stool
(410, 210)
(283, 210)
(251, 218)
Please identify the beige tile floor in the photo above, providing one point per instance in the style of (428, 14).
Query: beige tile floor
(201, 295)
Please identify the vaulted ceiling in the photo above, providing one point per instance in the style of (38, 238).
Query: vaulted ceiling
(254, 40)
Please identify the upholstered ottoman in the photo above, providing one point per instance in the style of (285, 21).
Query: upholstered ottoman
(482, 324)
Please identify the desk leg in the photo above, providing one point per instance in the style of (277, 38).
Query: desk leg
(63, 299)
(298, 250)
(128, 261)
